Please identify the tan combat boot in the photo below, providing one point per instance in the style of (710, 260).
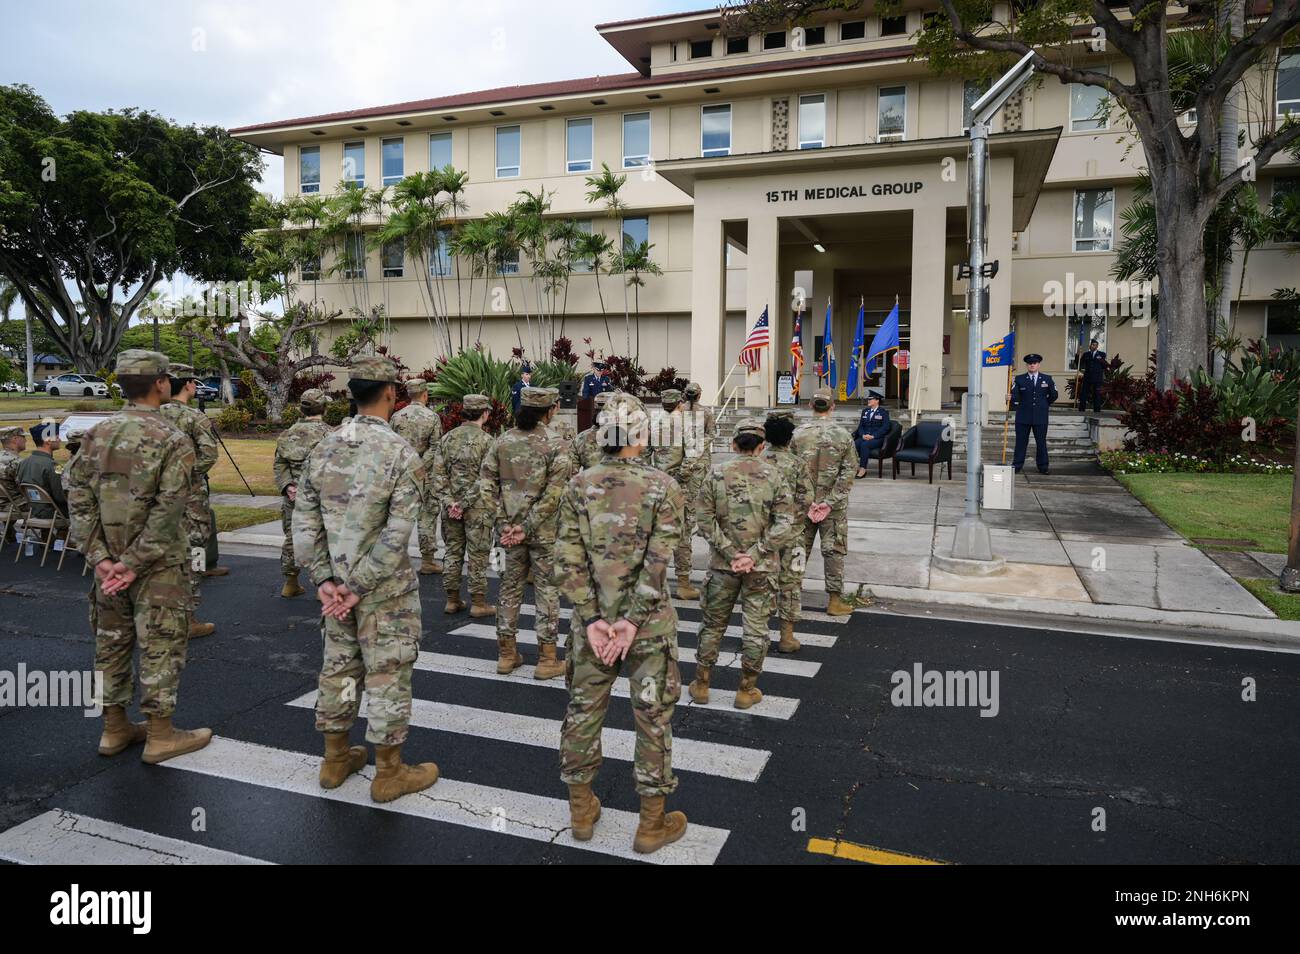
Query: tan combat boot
(839, 606)
(291, 587)
(198, 630)
(548, 666)
(584, 811)
(685, 591)
(656, 828)
(428, 567)
(699, 687)
(479, 607)
(508, 658)
(393, 779)
(453, 604)
(748, 694)
(165, 741)
(120, 732)
(340, 759)
(217, 571)
(788, 643)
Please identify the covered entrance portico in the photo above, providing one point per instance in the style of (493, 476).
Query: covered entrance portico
(853, 226)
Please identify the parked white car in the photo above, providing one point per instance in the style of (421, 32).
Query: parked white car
(84, 385)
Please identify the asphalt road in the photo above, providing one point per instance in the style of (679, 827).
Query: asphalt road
(1154, 733)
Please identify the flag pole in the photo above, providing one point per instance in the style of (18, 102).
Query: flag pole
(1006, 415)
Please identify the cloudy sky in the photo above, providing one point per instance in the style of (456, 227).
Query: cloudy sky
(248, 61)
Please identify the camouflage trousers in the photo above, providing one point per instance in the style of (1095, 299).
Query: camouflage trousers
(427, 528)
(152, 614)
(288, 566)
(691, 491)
(375, 649)
(789, 582)
(721, 592)
(198, 526)
(656, 684)
(472, 537)
(540, 557)
(834, 532)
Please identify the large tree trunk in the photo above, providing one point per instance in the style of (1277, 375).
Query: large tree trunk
(277, 397)
(1182, 326)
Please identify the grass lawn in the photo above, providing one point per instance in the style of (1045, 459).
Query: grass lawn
(39, 404)
(1253, 507)
(235, 518)
(1285, 605)
(256, 459)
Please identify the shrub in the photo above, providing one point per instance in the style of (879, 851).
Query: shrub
(562, 351)
(335, 411)
(291, 416)
(551, 374)
(496, 422)
(1131, 462)
(233, 419)
(473, 372)
(665, 379)
(307, 380)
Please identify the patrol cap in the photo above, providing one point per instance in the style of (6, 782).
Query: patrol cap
(1033, 358)
(477, 402)
(313, 399)
(373, 367)
(537, 397)
(626, 410)
(553, 392)
(823, 398)
(693, 390)
(781, 413)
(602, 398)
(180, 371)
(753, 425)
(670, 396)
(140, 361)
(9, 432)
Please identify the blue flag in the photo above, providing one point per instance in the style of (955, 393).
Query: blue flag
(828, 354)
(886, 338)
(1000, 352)
(855, 359)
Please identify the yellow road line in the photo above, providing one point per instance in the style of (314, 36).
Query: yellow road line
(866, 853)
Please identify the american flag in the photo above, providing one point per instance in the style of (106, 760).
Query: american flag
(796, 352)
(751, 355)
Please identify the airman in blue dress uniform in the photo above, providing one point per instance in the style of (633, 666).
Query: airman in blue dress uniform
(1032, 394)
(873, 428)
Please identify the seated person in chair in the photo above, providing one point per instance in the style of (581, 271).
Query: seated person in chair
(39, 469)
(873, 428)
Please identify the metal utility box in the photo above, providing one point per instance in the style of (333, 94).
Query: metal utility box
(999, 487)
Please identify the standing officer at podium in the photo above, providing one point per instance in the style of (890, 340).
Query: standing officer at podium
(1032, 394)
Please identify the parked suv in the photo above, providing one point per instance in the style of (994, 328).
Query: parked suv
(86, 385)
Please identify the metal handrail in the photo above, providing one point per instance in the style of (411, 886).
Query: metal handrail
(723, 386)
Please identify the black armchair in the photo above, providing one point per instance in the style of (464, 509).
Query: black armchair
(925, 444)
(887, 448)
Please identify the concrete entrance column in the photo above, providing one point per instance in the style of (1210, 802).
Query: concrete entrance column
(762, 290)
(708, 305)
(931, 284)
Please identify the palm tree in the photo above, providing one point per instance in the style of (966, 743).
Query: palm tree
(8, 297)
(605, 188)
(634, 262)
(564, 234)
(504, 248)
(454, 182)
(473, 242)
(417, 222)
(597, 249)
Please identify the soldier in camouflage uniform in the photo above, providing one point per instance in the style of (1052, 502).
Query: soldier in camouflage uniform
(292, 449)
(129, 492)
(13, 441)
(358, 502)
(619, 522)
(747, 514)
(827, 450)
(456, 462)
(522, 479)
(670, 456)
(586, 446)
(778, 431)
(700, 427)
(195, 425)
(421, 427)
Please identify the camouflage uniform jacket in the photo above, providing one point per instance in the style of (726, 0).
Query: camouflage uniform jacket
(129, 488)
(746, 509)
(195, 425)
(522, 479)
(358, 502)
(619, 523)
(828, 452)
(700, 428)
(670, 450)
(418, 425)
(587, 451)
(292, 450)
(9, 479)
(795, 473)
(456, 462)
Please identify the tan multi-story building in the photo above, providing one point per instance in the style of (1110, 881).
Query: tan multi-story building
(820, 161)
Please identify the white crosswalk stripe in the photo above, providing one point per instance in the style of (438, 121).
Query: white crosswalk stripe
(689, 755)
(517, 814)
(726, 660)
(720, 700)
(819, 640)
(60, 837)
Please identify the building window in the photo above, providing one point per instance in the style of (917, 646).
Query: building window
(715, 130)
(636, 232)
(1088, 106)
(507, 152)
(891, 114)
(737, 44)
(774, 40)
(814, 36)
(1284, 186)
(1288, 83)
(578, 138)
(510, 262)
(309, 169)
(354, 165)
(701, 49)
(440, 261)
(311, 270)
(893, 26)
(812, 121)
(1094, 216)
(636, 139)
(392, 256)
(393, 155)
(582, 264)
(971, 91)
(439, 150)
(354, 256)
(1282, 325)
(853, 30)
(1079, 332)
